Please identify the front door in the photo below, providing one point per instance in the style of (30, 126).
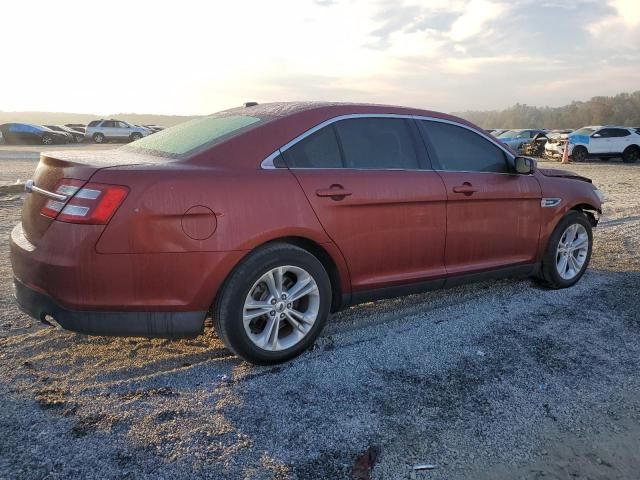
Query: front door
(367, 183)
(600, 142)
(493, 214)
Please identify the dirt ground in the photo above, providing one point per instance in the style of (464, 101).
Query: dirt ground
(498, 380)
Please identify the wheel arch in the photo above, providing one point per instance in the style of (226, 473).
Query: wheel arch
(591, 211)
(327, 254)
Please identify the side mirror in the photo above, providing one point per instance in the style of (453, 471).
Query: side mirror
(596, 135)
(525, 165)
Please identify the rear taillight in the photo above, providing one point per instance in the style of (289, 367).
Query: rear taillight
(93, 203)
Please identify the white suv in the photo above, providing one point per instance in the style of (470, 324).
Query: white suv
(102, 130)
(605, 142)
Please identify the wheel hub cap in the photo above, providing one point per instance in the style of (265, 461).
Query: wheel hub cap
(281, 308)
(572, 251)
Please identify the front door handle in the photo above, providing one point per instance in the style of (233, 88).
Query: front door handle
(335, 192)
(465, 188)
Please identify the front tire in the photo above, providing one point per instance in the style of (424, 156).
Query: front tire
(274, 304)
(47, 140)
(135, 136)
(579, 154)
(568, 251)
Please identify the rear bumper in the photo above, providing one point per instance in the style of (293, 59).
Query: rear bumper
(139, 324)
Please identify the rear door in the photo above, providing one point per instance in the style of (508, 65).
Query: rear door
(493, 215)
(371, 188)
(620, 138)
(108, 129)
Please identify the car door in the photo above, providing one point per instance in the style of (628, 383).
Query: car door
(600, 141)
(493, 214)
(122, 130)
(377, 199)
(619, 138)
(107, 128)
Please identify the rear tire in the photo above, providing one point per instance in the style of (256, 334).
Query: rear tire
(47, 140)
(631, 155)
(249, 290)
(572, 240)
(579, 154)
(98, 138)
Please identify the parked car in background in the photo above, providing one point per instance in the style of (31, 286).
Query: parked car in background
(516, 138)
(78, 137)
(101, 131)
(272, 216)
(496, 131)
(79, 127)
(604, 142)
(27, 133)
(556, 139)
(154, 128)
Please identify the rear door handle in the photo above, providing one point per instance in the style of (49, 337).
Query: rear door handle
(335, 192)
(465, 188)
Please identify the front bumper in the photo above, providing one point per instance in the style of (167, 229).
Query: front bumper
(138, 324)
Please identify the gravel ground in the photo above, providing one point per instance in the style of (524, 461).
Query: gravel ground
(486, 381)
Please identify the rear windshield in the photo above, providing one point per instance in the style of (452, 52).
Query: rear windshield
(195, 135)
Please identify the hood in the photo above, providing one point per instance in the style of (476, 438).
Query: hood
(552, 172)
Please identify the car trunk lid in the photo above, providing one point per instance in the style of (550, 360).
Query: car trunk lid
(53, 167)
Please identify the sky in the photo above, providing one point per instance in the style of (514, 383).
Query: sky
(196, 57)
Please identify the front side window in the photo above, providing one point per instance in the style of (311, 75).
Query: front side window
(377, 143)
(461, 150)
(318, 150)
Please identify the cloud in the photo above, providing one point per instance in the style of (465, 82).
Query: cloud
(473, 21)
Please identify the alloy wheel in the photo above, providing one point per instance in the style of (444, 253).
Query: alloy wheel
(572, 251)
(281, 308)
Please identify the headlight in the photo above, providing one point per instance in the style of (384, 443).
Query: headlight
(599, 194)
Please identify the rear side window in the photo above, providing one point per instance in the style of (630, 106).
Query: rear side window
(108, 124)
(461, 150)
(187, 137)
(318, 150)
(95, 123)
(377, 143)
(613, 132)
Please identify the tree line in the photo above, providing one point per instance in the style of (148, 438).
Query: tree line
(621, 109)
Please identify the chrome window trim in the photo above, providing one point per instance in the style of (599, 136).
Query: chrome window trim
(267, 163)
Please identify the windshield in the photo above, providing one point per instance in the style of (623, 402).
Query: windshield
(584, 131)
(509, 134)
(187, 138)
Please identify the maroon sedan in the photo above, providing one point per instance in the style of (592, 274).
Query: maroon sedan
(270, 217)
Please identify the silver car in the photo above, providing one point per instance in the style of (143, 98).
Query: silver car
(103, 130)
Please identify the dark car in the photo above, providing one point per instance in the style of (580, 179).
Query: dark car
(78, 137)
(272, 216)
(79, 127)
(154, 128)
(27, 133)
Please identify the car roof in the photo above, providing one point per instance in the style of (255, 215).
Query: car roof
(330, 109)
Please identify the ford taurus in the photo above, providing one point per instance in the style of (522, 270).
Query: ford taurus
(269, 217)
